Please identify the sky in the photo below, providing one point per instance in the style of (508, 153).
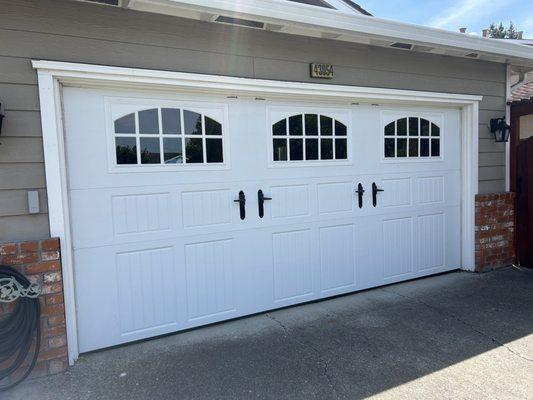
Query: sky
(475, 15)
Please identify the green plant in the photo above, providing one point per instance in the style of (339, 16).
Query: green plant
(500, 32)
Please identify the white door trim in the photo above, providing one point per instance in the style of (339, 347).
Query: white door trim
(51, 75)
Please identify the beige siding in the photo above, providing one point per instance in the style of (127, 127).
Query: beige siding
(71, 31)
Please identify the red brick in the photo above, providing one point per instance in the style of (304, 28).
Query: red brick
(57, 342)
(57, 309)
(29, 247)
(23, 258)
(50, 244)
(52, 288)
(52, 299)
(51, 354)
(56, 320)
(54, 331)
(53, 277)
(50, 255)
(40, 261)
(8, 249)
(44, 266)
(494, 230)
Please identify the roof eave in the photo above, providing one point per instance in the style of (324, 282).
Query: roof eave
(349, 27)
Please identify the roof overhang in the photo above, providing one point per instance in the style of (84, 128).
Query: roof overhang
(302, 19)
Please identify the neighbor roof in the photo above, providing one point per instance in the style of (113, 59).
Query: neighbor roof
(523, 92)
(293, 17)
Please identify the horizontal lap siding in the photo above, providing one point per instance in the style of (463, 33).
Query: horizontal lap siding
(76, 32)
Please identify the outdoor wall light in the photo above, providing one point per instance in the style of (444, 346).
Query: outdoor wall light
(500, 129)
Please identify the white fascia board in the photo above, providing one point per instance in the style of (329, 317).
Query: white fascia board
(75, 73)
(291, 14)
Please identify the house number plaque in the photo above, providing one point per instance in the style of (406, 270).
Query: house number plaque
(323, 71)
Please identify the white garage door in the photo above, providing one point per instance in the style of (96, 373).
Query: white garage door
(161, 242)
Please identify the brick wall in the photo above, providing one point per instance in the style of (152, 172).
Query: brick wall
(40, 262)
(494, 230)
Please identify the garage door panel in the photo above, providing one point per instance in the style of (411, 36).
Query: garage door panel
(369, 262)
(431, 246)
(397, 192)
(116, 216)
(290, 201)
(96, 298)
(429, 189)
(141, 212)
(423, 190)
(204, 208)
(337, 258)
(335, 197)
(146, 295)
(210, 279)
(93, 213)
(397, 247)
(293, 266)
(163, 247)
(129, 215)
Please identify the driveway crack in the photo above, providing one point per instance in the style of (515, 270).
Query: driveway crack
(467, 324)
(325, 362)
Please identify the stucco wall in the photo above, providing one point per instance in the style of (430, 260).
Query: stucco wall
(89, 33)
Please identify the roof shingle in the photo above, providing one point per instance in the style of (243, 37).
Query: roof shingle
(522, 93)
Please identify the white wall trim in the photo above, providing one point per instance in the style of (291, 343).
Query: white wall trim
(508, 94)
(56, 185)
(52, 75)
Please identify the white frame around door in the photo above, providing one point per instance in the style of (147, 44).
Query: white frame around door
(52, 75)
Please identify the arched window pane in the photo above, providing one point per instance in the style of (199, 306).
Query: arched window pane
(295, 125)
(212, 127)
(149, 122)
(340, 129)
(390, 129)
(171, 120)
(126, 124)
(193, 123)
(326, 126)
(314, 129)
(409, 137)
(157, 144)
(311, 125)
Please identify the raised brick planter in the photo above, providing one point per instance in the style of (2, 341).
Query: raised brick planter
(495, 245)
(40, 262)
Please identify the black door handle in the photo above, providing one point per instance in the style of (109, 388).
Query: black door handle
(360, 191)
(261, 201)
(242, 202)
(375, 191)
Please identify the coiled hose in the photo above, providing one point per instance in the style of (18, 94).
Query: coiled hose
(18, 331)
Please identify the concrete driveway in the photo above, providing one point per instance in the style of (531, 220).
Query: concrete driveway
(454, 336)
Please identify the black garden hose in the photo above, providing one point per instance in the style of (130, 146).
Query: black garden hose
(18, 331)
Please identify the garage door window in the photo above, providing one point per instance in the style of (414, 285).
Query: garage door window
(167, 136)
(309, 137)
(412, 137)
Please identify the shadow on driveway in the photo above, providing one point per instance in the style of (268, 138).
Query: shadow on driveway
(459, 335)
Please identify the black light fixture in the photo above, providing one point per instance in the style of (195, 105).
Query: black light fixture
(500, 129)
(1, 118)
